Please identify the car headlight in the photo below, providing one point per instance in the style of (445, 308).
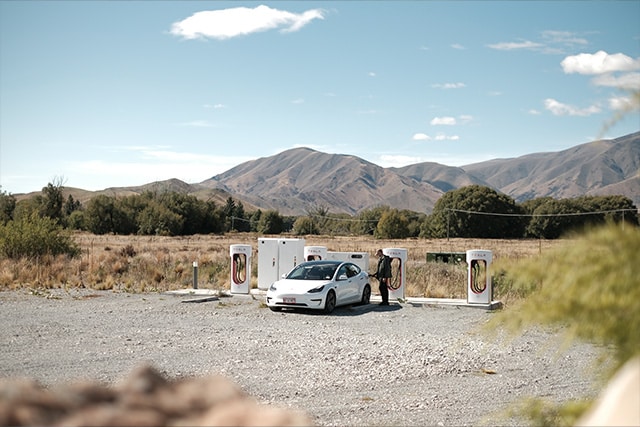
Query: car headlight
(272, 287)
(316, 290)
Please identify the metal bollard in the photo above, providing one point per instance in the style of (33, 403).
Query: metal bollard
(195, 274)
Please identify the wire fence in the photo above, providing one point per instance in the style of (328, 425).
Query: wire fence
(532, 215)
(543, 215)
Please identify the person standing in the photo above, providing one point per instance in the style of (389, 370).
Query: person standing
(383, 274)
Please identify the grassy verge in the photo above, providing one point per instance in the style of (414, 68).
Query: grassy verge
(143, 263)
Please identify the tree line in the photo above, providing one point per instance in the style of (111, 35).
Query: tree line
(470, 212)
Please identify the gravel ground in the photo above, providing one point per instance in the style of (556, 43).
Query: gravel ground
(399, 365)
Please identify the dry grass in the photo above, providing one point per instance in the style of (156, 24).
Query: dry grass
(143, 263)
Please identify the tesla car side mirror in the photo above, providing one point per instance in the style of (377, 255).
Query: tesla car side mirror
(342, 277)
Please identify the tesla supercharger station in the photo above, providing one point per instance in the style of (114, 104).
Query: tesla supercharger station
(313, 253)
(277, 257)
(398, 260)
(240, 268)
(479, 290)
(361, 259)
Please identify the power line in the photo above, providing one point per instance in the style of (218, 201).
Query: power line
(541, 215)
(343, 219)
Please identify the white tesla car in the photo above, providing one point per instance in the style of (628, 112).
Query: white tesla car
(321, 285)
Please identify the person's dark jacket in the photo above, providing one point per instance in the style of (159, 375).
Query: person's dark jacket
(384, 268)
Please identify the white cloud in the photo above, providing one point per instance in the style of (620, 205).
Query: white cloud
(563, 37)
(451, 121)
(298, 101)
(456, 158)
(439, 137)
(625, 81)
(448, 85)
(447, 121)
(552, 42)
(443, 137)
(622, 103)
(457, 46)
(560, 109)
(372, 74)
(526, 44)
(398, 161)
(534, 112)
(215, 106)
(599, 63)
(238, 21)
(421, 137)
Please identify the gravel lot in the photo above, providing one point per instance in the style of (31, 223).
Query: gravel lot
(399, 365)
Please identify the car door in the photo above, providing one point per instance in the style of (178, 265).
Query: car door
(343, 285)
(348, 283)
(356, 282)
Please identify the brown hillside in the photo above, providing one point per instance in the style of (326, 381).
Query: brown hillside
(580, 170)
(299, 179)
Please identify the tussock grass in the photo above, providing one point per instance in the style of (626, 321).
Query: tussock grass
(159, 263)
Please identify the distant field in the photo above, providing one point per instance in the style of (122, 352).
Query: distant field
(150, 263)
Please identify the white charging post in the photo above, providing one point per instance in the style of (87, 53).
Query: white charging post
(240, 268)
(398, 260)
(479, 289)
(313, 253)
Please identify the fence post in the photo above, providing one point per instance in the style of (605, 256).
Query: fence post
(195, 274)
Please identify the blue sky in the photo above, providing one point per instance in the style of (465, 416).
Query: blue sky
(103, 94)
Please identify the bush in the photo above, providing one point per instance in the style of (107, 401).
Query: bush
(591, 288)
(590, 285)
(35, 237)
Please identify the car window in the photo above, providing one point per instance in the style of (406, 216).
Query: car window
(352, 270)
(298, 273)
(326, 272)
(312, 272)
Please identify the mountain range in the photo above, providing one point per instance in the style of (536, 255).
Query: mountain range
(297, 180)
(300, 178)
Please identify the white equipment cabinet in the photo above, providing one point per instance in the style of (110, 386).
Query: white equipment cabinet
(361, 259)
(277, 257)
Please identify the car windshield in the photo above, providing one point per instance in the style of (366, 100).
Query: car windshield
(313, 272)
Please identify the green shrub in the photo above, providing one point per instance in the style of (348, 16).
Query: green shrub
(34, 237)
(589, 286)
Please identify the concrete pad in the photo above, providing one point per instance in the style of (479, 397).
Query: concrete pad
(193, 292)
(493, 305)
(445, 301)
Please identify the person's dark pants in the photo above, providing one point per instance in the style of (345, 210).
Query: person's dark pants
(384, 291)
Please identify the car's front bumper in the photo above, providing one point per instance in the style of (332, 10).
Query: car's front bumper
(293, 301)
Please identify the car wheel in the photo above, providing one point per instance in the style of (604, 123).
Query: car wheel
(330, 302)
(366, 295)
